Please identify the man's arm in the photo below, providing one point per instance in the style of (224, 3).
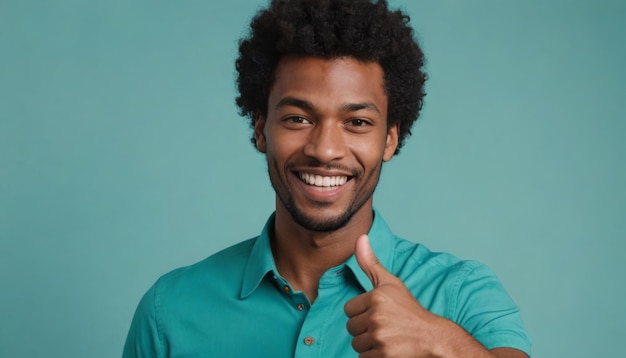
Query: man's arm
(508, 353)
(389, 321)
(143, 336)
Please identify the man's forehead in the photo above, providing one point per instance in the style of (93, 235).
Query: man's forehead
(317, 84)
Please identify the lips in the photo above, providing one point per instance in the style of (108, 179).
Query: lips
(322, 180)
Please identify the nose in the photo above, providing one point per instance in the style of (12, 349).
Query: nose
(325, 142)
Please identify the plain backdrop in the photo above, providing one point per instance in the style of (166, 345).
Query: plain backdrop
(122, 156)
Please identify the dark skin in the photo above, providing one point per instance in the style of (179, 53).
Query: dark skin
(325, 137)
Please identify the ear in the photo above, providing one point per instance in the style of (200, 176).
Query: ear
(392, 142)
(259, 135)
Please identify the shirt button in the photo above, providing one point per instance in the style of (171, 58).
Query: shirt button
(286, 288)
(308, 340)
(300, 306)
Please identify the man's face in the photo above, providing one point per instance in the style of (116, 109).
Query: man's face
(325, 137)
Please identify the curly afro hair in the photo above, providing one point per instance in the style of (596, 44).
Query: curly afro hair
(362, 29)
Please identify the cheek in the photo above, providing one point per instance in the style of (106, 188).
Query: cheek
(284, 143)
(280, 152)
(369, 152)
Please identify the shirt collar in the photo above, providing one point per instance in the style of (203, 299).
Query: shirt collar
(261, 260)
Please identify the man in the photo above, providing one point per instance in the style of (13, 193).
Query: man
(332, 89)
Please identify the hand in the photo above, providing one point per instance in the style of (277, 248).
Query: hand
(388, 321)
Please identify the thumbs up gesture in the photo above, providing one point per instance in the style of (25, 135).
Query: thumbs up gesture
(388, 321)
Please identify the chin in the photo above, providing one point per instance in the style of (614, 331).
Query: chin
(320, 223)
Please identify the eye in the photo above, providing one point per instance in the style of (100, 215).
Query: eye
(297, 120)
(358, 122)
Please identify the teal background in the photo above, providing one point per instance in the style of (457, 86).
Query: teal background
(122, 157)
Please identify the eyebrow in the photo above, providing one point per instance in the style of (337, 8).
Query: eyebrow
(353, 107)
(295, 102)
(306, 105)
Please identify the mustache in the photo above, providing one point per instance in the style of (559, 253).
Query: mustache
(314, 164)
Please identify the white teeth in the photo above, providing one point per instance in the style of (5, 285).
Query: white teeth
(324, 181)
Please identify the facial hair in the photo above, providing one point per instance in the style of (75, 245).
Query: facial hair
(328, 224)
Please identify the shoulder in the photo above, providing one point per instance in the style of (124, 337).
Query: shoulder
(410, 258)
(223, 268)
(172, 301)
(443, 282)
(467, 292)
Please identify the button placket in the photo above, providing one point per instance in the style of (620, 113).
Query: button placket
(313, 332)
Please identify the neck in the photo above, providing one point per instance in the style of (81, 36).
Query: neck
(302, 255)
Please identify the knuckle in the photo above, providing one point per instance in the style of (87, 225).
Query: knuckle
(378, 320)
(378, 298)
(378, 339)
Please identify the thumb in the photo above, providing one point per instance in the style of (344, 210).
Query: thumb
(369, 263)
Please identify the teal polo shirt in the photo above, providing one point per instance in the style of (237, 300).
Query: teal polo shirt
(236, 304)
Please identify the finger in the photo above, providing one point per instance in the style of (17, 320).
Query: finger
(369, 263)
(356, 305)
(357, 325)
(372, 353)
(362, 343)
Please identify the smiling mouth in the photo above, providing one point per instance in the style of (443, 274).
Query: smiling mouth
(323, 181)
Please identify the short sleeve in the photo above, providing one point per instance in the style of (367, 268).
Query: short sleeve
(143, 338)
(484, 309)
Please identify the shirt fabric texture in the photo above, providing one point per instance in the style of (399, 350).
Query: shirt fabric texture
(235, 303)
